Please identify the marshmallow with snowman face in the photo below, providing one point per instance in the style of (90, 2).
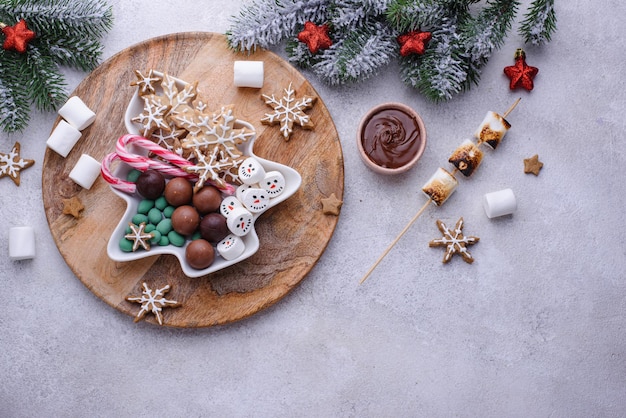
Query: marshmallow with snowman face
(240, 221)
(242, 188)
(251, 171)
(229, 203)
(273, 183)
(255, 200)
(231, 247)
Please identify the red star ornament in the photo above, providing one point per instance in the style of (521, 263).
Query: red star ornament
(413, 42)
(521, 74)
(17, 36)
(315, 37)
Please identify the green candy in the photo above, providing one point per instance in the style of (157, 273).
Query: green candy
(164, 241)
(126, 245)
(149, 228)
(167, 212)
(139, 219)
(161, 203)
(132, 175)
(165, 226)
(176, 239)
(157, 237)
(145, 206)
(196, 235)
(155, 216)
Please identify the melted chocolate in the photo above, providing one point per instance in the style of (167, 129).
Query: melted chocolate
(391, 138)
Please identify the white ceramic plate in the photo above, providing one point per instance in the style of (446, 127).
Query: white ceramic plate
(251, 240)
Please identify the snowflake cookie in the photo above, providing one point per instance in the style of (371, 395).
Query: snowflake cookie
(139, 236)
(11, 164)
(145, 83)
(153, 302)
(454, 241)
(288, 110)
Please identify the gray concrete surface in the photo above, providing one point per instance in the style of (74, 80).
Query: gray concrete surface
(534, 328)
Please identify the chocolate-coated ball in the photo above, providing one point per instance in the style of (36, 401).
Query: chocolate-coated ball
(213, 227)
(207, 199)
(199, 254)
(178, 191)
(150, 184)
(185, 219)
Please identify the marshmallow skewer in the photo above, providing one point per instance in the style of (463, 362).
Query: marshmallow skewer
(420, 212)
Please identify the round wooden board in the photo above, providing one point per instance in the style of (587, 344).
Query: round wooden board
(293, 235)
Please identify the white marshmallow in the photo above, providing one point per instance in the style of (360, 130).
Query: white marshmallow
(21, 243)
(76, 113)
(273, 183)
(86, 171)
(440, 186)
(256, 200)
(240, 221)
(492, 129)
(231, 247)
(242, 188)
(499, 203)
(251, 171)
(229, 204)
(248, 74)
(63, 138)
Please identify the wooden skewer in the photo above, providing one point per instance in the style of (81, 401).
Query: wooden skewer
(395, 241)
(418, 214)
(511, 108)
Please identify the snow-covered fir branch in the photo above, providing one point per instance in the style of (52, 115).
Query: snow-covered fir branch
(46, 84)
(351, 14)
(82, 53)
(441, 73)
(415, 15)
(83, 17)
(487, 31)
(359, 56)
(266, 23)
(15, 105)
(539, 22)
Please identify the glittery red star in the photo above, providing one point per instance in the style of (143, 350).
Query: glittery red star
(413, 42)
(17, 36)
(520, 74)
(315, 37)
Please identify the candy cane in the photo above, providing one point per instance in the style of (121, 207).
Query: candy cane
(143, 163)
(116, 182)
(170, 163)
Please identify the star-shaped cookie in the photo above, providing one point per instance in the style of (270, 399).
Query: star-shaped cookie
(454, 241)
(532, 165)
(11, 164)
(331, 205)
(73, 206)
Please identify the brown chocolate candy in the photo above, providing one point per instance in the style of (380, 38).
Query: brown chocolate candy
(150, 184)
(185, 220)
(178, 191)
(213, 227)
(207, 199)
(199, 254)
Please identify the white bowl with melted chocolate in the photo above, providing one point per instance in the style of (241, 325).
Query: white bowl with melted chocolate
(391, 138)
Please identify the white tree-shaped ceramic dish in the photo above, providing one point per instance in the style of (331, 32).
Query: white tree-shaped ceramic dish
(251, 240)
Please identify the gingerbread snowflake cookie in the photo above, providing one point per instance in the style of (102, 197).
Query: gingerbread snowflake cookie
(139, 237)
(289, 110)
(153, 301)
(11, 164)
(455, 241)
